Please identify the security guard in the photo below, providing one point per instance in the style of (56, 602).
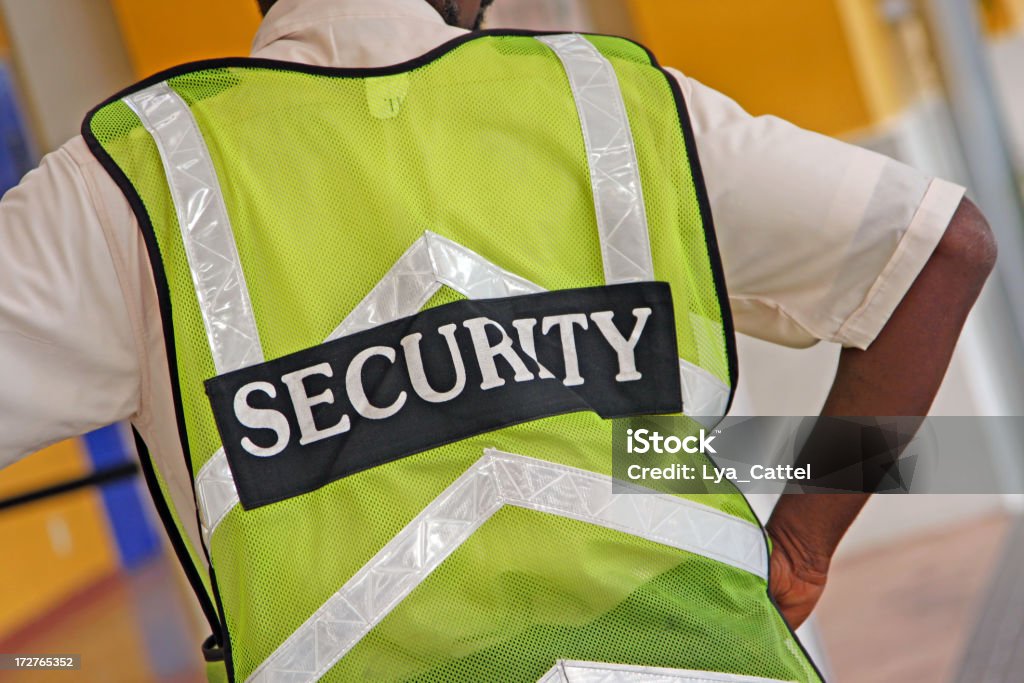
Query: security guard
(398, 278)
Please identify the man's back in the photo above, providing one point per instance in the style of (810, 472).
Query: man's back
(759, 199)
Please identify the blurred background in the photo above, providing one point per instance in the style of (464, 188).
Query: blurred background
(926, 588)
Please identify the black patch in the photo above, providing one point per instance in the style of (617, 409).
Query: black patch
(421, 425)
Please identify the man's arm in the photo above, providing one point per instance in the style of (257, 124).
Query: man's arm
(898, 375)
(68, 353)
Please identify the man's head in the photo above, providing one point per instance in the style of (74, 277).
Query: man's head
(467, 14)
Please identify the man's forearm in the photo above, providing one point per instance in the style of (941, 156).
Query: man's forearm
(898, 375)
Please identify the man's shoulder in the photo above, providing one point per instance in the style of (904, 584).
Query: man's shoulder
(78, 152)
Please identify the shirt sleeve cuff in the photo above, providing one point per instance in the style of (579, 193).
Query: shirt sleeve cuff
(926, 228)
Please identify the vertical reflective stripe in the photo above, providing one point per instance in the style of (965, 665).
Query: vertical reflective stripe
(430, 262)
(618, 195)
(611, 153)
(205, 227)
(495, 481)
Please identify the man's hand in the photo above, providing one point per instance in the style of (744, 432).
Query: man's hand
(898, 375)
(797, 578)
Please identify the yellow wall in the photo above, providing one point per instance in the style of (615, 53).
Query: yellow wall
(161, 34)
(5, 43)
(53, 548)
(1002, 16)
(822, 64)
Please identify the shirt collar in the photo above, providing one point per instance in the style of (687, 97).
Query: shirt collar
(288, 16)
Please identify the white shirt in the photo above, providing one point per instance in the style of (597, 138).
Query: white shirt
(819, 240)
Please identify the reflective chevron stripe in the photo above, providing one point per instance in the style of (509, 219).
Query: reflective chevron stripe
(597, 672)
(432, 261)
(497, 480)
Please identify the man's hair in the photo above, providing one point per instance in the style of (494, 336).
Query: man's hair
(449, 10)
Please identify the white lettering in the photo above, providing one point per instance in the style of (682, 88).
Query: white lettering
(718, 474)
(640, 436)
(565, 323)
(525, 327)
(357, 392)
(303, 404)
(646, 441)
(705, 443)
(486, 353)
(418, 375)
(624, 349)
(261, 418)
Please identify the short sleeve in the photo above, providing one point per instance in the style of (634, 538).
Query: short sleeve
(819, 239)
(67, 349)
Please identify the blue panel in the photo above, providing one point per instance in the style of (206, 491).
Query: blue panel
(137, 539)
(16, 155)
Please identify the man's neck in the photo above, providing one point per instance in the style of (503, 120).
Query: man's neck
(448, 9)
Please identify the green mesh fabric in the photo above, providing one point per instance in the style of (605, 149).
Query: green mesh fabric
(328, 179)
(445, 295)
(216, 672)
(646, 603)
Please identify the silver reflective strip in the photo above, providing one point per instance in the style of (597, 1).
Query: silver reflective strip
(471, 275)
(430, 262)
(597, 672)
(704, 395)
(205, 227)
(555, 675)
(402, 291)
(497, 480)
(213, 260)
(215, 493)
(619, 202)
(611, 152)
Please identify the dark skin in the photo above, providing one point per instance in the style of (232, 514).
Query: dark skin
(468, 12)
(899, 374)
(465, 14)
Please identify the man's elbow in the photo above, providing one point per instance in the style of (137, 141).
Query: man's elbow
(967, 250)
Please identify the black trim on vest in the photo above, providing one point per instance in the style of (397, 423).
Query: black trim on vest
(191, 573)
(215, 614)
(707, 220)
(212, 652)
(210, 611)
(718, 273)
(225, 643)
(714, 257)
